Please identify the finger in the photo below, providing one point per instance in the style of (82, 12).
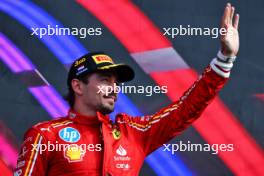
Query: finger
(236, 21)
(228, 13)
(232, 15)
(225, 15)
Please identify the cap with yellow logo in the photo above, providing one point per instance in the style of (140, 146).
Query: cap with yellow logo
(97, 61)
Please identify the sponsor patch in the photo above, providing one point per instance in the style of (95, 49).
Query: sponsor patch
(23, 152)
(74, 153)
(121, 151)
(101, 58)
(20, 164)
(18, 173)
(116, 134)
(45, 129)
(69, 134)
(29, 139)
(78, 62)
(122, 160)
(81, 69)
(123, 166)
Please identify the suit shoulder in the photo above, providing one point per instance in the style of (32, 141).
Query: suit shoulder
(62, 121)
(48, 127)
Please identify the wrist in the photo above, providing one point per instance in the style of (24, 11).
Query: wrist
(222, 64)
(227, 58)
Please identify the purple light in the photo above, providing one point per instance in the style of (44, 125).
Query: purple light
(45, 101)
(30, 23)
(38, 14)
(8, 61)
(58, 102)
(33, 17)
(46, 95)
(16, 54)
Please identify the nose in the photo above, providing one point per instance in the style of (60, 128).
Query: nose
(113, 81)
(113, 88)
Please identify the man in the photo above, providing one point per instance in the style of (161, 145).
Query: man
(87, 142)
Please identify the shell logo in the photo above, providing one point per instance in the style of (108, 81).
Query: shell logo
(74, 153)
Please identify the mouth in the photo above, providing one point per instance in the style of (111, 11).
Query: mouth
(110, 97)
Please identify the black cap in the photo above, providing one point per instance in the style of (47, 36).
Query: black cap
(99, 61)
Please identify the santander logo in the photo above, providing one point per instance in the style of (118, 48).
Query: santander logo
(121, 151)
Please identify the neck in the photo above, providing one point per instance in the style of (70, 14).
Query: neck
(83, 109)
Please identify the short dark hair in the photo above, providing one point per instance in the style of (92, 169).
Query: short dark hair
(70, 97)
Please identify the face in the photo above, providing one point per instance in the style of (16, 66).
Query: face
(98, 93)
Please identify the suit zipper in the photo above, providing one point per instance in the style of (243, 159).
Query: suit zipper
(104, 148)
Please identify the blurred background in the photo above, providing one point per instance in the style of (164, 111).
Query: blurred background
(33, 74)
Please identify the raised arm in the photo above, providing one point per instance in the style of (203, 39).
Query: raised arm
(157, 129)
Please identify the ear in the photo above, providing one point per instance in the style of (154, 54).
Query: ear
(76, 86)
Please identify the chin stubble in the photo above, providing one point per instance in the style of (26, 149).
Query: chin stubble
(105, 110)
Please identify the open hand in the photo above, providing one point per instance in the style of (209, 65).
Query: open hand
(230, 40)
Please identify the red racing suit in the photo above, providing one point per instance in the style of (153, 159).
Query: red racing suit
(97, 146)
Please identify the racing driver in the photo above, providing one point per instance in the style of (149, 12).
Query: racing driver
(87, 143)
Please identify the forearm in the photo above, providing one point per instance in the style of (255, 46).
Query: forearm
(202, 92)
